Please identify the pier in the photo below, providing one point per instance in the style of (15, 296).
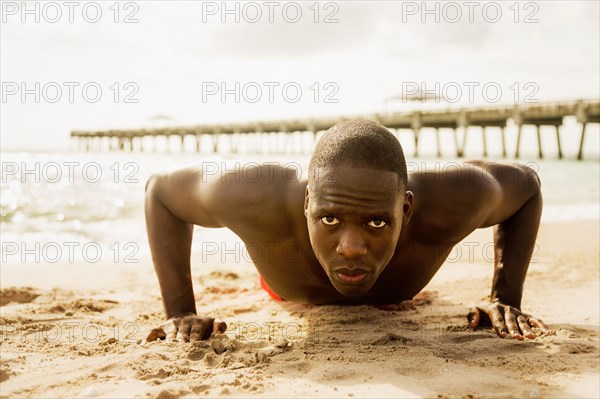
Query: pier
(286, 132)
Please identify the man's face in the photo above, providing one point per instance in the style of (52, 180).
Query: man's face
(354, 217)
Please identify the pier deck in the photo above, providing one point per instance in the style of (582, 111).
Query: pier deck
(539, 114)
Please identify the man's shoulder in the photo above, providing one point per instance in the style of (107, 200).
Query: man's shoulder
(249, 182)
(461, 181)
(468, 174)
(251, 193)
(452, 200)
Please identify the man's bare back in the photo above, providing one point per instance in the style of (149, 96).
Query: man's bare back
(350, 236)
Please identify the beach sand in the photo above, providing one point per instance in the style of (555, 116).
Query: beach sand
(76, 330)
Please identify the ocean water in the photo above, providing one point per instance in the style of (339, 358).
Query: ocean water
(83, 198)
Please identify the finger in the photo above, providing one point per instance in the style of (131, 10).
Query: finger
(511, 324)
(183, 333)
(219, 326)
(524, 326)
(171, 331)
(197, 331)
(538, 323)
(498, 322)
(473, 317)
(207, 323)
(156, 333)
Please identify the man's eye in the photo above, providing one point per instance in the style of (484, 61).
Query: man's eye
(329, 220)
(377, 223)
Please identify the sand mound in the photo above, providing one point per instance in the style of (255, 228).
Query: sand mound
(17, 295)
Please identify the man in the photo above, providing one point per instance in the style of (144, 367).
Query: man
(359, 231)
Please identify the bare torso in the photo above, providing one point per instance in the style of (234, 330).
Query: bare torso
(288, 265)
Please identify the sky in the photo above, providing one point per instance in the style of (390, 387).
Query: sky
(108, 65)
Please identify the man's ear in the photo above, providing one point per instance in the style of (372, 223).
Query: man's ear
(407, 207)
(306, 201)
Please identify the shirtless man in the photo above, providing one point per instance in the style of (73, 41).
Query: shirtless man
(359, 231)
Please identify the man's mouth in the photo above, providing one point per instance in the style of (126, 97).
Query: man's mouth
(347, 276)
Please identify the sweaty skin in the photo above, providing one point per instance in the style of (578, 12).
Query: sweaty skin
(354, 236)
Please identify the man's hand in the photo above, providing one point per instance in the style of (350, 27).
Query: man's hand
(185, 328)
(505, 320)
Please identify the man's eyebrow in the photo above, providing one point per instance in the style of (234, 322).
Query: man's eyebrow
(382, 214)
(365, 214)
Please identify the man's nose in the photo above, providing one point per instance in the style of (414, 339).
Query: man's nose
(351, 245)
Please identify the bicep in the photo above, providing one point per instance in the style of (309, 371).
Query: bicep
(187, 193)
(510, 187)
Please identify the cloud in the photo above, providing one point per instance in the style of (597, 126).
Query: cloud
(282, 39)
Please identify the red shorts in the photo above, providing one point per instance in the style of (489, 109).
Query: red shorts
(265, 287)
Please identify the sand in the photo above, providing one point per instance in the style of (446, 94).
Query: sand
(77, 330)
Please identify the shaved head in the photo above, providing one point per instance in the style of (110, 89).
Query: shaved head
(360, 144)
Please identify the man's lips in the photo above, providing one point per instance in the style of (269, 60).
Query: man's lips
(351, 276)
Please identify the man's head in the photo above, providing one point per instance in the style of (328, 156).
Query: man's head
(356, 203)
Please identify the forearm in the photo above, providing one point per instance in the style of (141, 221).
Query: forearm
(170, 242)
(514, 241)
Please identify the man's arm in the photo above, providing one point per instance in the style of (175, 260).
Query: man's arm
(177, 200)
(515, 212)
(514, 241)
(173, 204)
